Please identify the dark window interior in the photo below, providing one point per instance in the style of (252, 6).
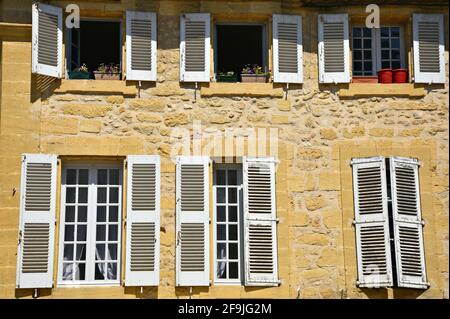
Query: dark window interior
(94, 43)
(237, 46)
(391, 218)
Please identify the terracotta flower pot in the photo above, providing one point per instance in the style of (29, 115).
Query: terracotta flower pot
(258, 78)
(106, 76)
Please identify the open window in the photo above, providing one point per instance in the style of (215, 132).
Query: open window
(94, 50)
(240, 53)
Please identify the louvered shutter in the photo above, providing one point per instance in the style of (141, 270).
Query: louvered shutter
(260, 223)
(37, 221)
(143, 220)
(334, 48)
(287, 49)
(428, 46)
(141, 46)
(372, 222)
(46, 40)
(408, 236)
(192, 221)
(195, 47)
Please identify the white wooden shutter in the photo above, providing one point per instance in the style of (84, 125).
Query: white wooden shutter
(143, 220)
(428, 46)
(141, 46)
(46, 40)
(195, 47)
(287, 49)
(372, 222)
(37, 221)
(334, 48)
(260, 223)
(408, 236)
(192, 221)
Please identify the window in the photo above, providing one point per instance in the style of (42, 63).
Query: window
(228, 223)
(90, 227)
(376, 49)
(94, 43)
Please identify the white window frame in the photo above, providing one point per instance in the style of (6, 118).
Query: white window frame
(240, 223)
(91, 227)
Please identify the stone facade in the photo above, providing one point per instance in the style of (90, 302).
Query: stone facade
(319, 131)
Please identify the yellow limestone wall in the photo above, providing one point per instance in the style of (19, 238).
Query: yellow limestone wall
(319, 132)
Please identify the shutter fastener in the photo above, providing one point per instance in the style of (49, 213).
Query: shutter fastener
(423, 223)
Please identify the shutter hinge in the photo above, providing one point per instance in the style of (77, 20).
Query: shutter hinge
(423, 223)
(279, 282)
(277, 220)
(354, 222)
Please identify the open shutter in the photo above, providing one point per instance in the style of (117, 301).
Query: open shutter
(37, 221)
(334, 49)
(192, 221)
(195, 47)
(409, 251)
(46, 40)
(372, 222)
(260, 223)
(143, 220)
(287, 49)
(141, 46)
(428, 45)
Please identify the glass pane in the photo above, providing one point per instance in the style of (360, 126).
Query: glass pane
(81, 271)
(114, 177)
(67, 271)
(233, 270)
(220, 177)
(69, 232)
(82, 195)
(385, 43)
(113, 214)
(112, 271)
(112, 252)
(357, 73)
(233, 251)
(70, 195)
(232, 195)
(385, 65)
(385, 54)
(395, 43)
(357, 55)
(101, 214)
(68, 252)
(384, 32)
(396, 64)
(221, 232)
(100, 252)
(112, 232)
(357, 43)
(83, 176)
(395, 32)
(221, 195)
(367, 43)
(221, 213)
(101, 232)
(114, 195)
(395, 54)
(102, 177)
(71, 176)
(81, 232)
(222, 269)
(232, 214)
(357, 32)
(101, 195)
(81, 252)
(232, 232)
(367, 32)
(367, 54)
(357, 66)
(221, 251)
(367, 66)
(82, 214)
(99, 269)
(70, 214)
(232, 177)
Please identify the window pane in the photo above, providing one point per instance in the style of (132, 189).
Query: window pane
(112, 252)
(221, 251)
(232, 232)
(68, 252)
(396, 64)
(69, 232)
(395, 32)
(112, 232)
(70, 214)
(67, 271)
(367, 66)
(367, 32)
(81, 271)
(356, 32)
(220, 177)
(357, 66)
(233, 270)
(82, 195)
(114, 195)
(232, 195)
(101, 232)
(221, 195)
(232, 213)
(81, 232)
(232, 177)
(83, 175)
(221, 232)
(112, 271)
(233, 251)
(385, 54)
(100, 252)
(101, 213)
(395, 54)
(384, 32)
(114, 177)
(113, 214)
(70, 195)
(102, 177)
(367, 43)
(82, 214)
(367, 54)
(395, 43)
(385, 65)
(81, 252)
(99, 269)
(222, 269)
(385, 43)
(357, 55)
(101, 195)
(71, 176)
(221, 213)
(357, 43)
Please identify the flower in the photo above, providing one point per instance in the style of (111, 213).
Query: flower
(108, 68)
(82, 68)
(254, 69)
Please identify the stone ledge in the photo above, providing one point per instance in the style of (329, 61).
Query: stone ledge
(241, 89)
(383, 90)
(96, 87)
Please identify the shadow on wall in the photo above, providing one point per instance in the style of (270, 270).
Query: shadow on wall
(146, 293)
(186, 291)
(42, 86)
(398, 293)
(28, 293)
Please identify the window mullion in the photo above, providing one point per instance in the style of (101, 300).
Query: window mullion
(92, 213)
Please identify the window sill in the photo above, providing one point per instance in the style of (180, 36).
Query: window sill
(96, 87)
(241, 89)
(382, 90)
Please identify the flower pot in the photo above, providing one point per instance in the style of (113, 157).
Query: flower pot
(400, 75)
(385, 76)
(227, 78)
(106, 76)
(258, 78)
(365, 79)
(78, 75)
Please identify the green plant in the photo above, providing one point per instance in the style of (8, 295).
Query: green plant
(253, 69)
(82, 68)
(108, 68)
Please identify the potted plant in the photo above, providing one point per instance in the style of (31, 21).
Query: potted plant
(107, 72)
(227, 77)
(79, 73)
(253, 73)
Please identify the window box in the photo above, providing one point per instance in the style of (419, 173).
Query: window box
(106, 76)
(227, 78)
(258, 78)
(365, 79)
(78, 75)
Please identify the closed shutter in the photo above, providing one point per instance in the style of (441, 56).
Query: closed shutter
(195, 47)
(408, 236)
(141, 46)
(334, 49)
(46, 40)
(143, 220)
(372, 222)
(260, 223)
(428, 45)
(37, 221)
(192, 221)
(287, 49)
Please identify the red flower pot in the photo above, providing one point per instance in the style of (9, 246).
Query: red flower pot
(385, 76)
(400, 75)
